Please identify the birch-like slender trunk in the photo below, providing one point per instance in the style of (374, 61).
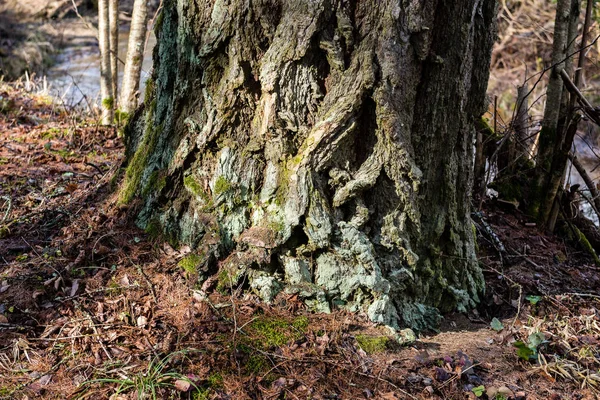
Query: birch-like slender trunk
(135, 56)
(113, 17)
(105, 72)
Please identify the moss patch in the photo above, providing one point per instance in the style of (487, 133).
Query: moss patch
(256, 363)
(190, 263)
(373, 344)
(149, 90)
(587, 246)
(153, 228)
(215, 380)
(222, 185)
(139, 161)
(274, 332)
(108, 102)
(156, 182)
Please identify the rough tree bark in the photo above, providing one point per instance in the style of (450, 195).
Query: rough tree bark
(320, 147)
(106, 93)
(135, 56)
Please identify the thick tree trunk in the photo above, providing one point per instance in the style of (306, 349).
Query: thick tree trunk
(106, 94)
(135, 57)
(324, 147)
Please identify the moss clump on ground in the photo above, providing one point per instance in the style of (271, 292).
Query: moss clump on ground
(508, 189)
(373, 344)
(274, 332)
(263, 334)
(224, 281)
(256, 363)
(190, 263)
(215, 380)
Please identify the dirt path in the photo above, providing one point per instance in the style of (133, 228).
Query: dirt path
(90, 305)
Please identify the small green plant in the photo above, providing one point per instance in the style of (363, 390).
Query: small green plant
(496, 325)
(533, 300)
(149, 383)
(529, 351)
(479, 390)
(202, 394)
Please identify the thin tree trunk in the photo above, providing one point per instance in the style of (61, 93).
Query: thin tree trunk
(135, 57)
(566, 129)
(106, 94)
(540, 207)
(523, 138)
(317, 145)
(113, 11)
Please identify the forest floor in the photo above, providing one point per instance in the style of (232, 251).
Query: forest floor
(91, 307)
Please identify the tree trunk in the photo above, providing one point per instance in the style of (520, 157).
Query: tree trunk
(567, 123)
(524, 141)
(324, 147)
(540, 198)
(135, 56)
(113, 11)
(107, 97)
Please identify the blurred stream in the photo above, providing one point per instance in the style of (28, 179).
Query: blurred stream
(75, 77)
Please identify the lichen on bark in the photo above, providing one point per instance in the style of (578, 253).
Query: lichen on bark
(323, 147)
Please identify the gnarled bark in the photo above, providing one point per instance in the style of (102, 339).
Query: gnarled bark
(322, 147)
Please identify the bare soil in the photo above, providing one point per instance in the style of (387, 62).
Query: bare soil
(92, 307)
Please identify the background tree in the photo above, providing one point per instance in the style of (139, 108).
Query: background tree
(550, 166)
(106, 92)
(113, 17)
(135, 56)
(324, 146)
